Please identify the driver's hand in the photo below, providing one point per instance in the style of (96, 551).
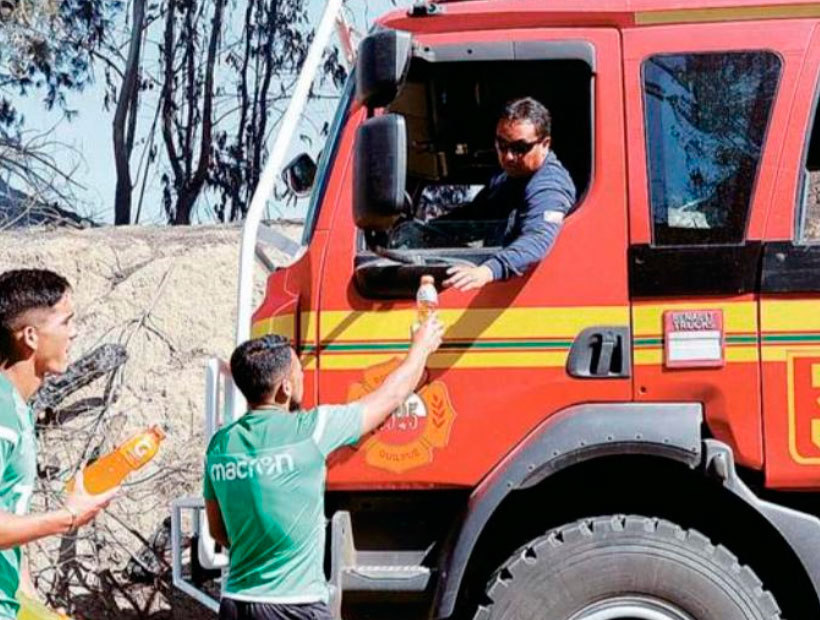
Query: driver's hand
(465, 278)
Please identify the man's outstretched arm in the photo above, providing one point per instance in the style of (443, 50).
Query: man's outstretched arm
(377, 405)
(546, 202)
(79, 508)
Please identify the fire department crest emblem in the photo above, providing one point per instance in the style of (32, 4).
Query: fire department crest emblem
(803, 376)
(410, 436)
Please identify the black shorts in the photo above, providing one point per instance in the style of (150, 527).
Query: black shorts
(230, 609)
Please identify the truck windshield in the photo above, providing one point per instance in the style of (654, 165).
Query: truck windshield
(327, 158)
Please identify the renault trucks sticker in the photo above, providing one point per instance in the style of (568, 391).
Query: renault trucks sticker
(693, 339)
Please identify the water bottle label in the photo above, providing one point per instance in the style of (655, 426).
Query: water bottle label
(427, 294)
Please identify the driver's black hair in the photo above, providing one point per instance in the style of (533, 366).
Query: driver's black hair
(529, 109)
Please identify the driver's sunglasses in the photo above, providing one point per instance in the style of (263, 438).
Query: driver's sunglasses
(519, 148)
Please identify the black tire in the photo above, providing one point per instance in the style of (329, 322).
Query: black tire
(618, 561)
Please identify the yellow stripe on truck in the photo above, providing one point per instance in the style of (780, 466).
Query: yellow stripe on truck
(284, 325)
(488, 323)
(738, 316)
(530, 359)
(792, 315)
(726, 14)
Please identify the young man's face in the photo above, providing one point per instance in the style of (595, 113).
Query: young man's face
(48, 333)
(520, 150)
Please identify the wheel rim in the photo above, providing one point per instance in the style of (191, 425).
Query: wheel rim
(631, 608)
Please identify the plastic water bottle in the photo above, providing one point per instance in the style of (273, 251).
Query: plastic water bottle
(110, 470)
(426, 298)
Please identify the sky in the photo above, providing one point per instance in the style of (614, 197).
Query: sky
(88, 134)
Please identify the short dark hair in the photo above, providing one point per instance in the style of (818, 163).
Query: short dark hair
(259, 366)
(529, 109)
(22, 290)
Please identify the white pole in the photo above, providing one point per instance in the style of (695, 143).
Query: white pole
(272, 169)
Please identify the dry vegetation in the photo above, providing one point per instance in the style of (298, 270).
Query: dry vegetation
(167, 298)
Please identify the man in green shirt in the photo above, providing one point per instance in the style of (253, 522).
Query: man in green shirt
(265, 477)
(36, 330)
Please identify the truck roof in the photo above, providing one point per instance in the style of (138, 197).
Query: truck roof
(494, 14)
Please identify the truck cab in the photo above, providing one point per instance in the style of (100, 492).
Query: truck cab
(623, 430)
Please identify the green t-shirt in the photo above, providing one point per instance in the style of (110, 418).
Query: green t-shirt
(18, 467)
(267, 472)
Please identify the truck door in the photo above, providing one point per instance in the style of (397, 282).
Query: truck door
(291, 303)
(516, 351)
(790, 296)
(706, 106)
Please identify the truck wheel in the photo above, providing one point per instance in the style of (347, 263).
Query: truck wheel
(625, 567)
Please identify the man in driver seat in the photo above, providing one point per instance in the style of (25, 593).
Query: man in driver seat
(534, 190)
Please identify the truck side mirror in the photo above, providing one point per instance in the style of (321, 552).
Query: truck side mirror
(381, 67)
(299, 174)
(380, 172)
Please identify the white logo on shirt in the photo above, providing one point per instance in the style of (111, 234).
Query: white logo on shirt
(270, 466)
(553, 217)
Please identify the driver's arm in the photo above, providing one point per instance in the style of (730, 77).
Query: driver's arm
(541, 216)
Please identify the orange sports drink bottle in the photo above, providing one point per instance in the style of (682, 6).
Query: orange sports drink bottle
(110, 470)
(31, 609)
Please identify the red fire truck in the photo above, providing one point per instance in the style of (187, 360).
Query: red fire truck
(629, 430)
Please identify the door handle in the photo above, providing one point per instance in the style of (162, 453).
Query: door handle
(608, 342)
(601, 352)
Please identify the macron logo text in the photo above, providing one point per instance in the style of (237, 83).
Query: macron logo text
(270, 466)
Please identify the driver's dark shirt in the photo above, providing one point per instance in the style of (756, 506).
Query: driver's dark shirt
(530, 204)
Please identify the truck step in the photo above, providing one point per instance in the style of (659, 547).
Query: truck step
(390, 578)
(354, 570)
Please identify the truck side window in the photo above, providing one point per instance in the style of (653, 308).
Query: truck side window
(809, 220)
(327, 157)
(451, 109)
(706, 121)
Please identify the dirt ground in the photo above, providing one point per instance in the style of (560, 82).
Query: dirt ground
(168, 295)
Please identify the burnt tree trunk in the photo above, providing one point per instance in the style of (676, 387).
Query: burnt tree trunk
(189, 162)
(125, 117)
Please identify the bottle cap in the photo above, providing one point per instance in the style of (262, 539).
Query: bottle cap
(428, 279)
(157, 430)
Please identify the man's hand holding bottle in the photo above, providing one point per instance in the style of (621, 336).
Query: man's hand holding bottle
(82, 506)
(427, 338)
